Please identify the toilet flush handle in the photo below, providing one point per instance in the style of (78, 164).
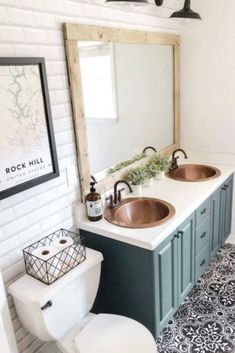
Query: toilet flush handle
(47, 305)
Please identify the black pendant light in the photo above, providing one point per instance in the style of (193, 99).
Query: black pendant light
(128, 2)
(186, 12)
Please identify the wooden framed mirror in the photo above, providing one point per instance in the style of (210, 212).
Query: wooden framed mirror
(125, 96)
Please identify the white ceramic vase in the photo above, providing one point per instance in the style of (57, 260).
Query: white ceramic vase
(137, 190)
(149, 182)
(160, 176)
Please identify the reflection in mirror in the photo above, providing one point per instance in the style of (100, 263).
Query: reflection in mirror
(128, 92)
(97, 71)
(130, 81)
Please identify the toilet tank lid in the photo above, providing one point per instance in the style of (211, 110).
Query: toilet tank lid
(26, 288)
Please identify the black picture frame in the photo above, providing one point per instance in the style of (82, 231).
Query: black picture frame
(40, 62)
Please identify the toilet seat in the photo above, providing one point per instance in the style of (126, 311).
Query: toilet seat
(108, 333)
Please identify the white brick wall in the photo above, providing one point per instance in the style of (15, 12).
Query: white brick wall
(33, 28)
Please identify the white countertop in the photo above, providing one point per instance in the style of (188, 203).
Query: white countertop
(184, 196)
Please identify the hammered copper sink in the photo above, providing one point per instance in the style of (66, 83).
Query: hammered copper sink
(194, 172)
(140, 212)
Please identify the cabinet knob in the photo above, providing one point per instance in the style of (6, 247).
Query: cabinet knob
(223, 188)
(203, 235)
(180, 232)
(226, 186)
(203, 262)
(203, 211)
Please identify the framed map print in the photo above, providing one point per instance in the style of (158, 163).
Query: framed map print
(27, 145)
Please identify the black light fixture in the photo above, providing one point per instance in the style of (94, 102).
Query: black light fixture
(128, 2)
(185, 13)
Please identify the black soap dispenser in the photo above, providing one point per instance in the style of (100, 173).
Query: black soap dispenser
(93, 204)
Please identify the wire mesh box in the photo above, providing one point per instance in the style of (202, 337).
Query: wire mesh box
(57, 265)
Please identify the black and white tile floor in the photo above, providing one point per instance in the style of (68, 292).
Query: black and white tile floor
(205, 322)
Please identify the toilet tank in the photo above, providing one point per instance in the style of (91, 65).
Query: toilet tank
(69, 299)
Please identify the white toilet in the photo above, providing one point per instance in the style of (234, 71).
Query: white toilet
(60, 312)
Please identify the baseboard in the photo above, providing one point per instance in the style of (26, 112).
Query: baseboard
(231, 239)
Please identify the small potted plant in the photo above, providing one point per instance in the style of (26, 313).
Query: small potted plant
(137, 177)
(151, 171)
(162, 164)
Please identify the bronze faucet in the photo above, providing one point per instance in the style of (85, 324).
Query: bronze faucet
(174, 163)
(117, 193)
(149, 148)
(117, 196)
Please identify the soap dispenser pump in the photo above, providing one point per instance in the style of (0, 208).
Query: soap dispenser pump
(93, 204)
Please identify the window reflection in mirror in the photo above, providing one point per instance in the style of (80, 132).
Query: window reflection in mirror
(128, 94)
(98, 80)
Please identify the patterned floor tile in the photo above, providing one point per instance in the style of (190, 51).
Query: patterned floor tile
(205, 322)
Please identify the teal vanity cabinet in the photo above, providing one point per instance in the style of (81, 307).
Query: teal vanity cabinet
(213, 225)
(128, 280)
(226, 208)
(202, 238)
(221, 215)
(174, 268)
(166, 270)
(150, 285)
(215, 236)
(145, 285)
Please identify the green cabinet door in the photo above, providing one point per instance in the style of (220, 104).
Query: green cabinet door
(174, 264)
(166, 280)
(228, 207)
(185, 258)
(216, 222)
(227, 197)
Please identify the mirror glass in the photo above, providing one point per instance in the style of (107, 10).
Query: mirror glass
(128, 95)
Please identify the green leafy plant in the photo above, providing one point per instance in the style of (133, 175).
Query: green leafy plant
(125, 163)
(162, 163)
(118, 166)
(151, 170)
(138, 157)
(137, 176)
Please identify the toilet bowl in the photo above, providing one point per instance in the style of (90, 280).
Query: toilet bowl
(61, 313)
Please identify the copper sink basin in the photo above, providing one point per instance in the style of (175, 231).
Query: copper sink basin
(194, 172)
(139, 212)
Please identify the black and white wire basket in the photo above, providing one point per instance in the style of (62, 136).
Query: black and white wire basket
(57, 265)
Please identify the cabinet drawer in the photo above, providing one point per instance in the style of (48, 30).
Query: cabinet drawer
(202, 235)
(202, 212)
(202, 261)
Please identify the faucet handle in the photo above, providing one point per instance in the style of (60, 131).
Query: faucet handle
(120, 194)
(174, 163)
(110, 199)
